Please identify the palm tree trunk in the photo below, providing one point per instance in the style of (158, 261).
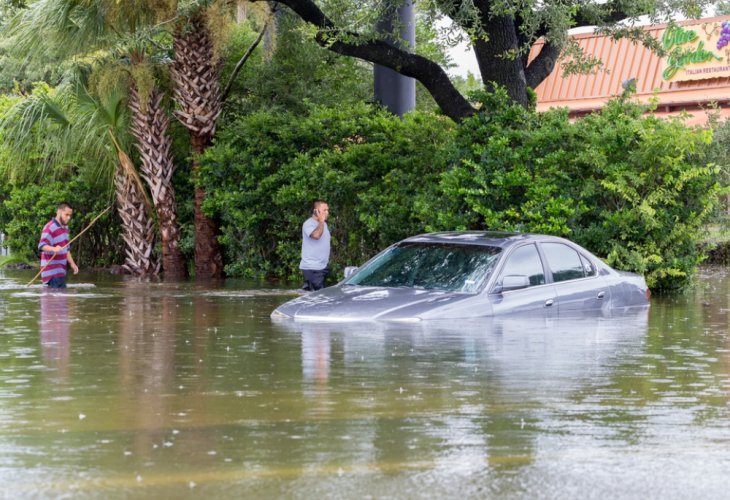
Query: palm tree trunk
(208, 254)
(196, 73)
(138, 229)
(150, 127)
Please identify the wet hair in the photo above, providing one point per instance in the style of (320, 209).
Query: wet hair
(317, 203)
(64, 205)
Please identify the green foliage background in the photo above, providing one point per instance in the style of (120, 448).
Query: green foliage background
(634, 189)
(371, 167)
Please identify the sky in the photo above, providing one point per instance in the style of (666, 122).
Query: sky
(464, 59)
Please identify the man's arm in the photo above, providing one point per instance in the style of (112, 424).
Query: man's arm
(318, 231)
(71, 262)
(51, 249)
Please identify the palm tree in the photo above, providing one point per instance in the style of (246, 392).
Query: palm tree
(68, 125)
(150, 124)
(80, 27)
(69, 29)
(134, 211)
(196, 73)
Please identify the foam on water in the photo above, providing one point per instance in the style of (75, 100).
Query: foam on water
(253, 293)
(44, 293)
(14, 285)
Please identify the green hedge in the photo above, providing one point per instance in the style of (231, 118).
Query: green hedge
(633, 188)
(266, 169)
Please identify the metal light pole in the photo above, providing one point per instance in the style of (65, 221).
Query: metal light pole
(393, 90)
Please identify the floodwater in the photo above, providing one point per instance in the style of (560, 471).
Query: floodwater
(151, 390)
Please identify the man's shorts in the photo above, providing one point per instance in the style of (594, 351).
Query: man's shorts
(314, 278)
(57, 282)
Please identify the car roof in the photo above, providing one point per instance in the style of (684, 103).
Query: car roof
(479, 238)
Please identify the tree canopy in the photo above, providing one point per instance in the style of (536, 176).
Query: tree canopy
(501, 33)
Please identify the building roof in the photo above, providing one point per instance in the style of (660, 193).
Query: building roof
(625, 59)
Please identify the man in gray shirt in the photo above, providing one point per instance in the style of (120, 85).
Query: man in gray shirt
(315, 247)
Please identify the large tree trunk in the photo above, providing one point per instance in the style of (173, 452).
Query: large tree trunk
(494, 66)
(150, 127)
(138, 229)
(499, 35)
(196, 73)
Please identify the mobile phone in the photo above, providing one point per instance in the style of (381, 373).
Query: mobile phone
(315, 212)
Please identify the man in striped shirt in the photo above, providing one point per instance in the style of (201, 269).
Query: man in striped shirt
(55, 252)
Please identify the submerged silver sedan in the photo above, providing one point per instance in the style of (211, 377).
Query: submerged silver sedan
(460, 275)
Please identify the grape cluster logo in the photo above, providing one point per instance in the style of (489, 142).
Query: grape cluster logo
(724, 35)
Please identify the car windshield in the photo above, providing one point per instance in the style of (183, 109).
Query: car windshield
(430, 266)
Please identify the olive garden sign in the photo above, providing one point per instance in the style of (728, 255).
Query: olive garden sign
(696, 52)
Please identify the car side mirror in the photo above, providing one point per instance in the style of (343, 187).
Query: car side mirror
(514, 282)
(350, 270)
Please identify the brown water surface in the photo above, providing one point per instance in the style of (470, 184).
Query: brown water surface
(152, 390)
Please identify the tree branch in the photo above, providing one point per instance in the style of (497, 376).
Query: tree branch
(242, 61)
(543, 64)
(610, 12)
(430, 74)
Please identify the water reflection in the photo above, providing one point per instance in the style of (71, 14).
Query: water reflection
(146, 368)
(55, 332)
(173, 391)
(316, 355)
(472, 393)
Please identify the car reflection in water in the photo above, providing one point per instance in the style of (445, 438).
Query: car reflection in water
(459, 275)
(495, 383)
(506, 345)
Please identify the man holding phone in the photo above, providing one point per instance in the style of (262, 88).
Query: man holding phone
(315, 247)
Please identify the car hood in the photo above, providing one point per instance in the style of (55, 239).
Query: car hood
(360, 303)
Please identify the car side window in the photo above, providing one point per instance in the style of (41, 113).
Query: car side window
(524, 261)
(588, 268)
(564, 262)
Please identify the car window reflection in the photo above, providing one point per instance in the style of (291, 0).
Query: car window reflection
(524, 261)
(564, 262)
(454, 268)
(588, 267)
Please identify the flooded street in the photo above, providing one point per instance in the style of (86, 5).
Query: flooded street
(154, 390)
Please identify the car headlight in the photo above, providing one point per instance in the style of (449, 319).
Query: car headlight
(405, 320)
(276, 314)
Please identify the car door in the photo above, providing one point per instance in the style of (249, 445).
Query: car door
(538, 297)
(578, 286)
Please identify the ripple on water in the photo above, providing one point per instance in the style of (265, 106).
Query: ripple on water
(550, 411)
(15, 285)
(43, 293)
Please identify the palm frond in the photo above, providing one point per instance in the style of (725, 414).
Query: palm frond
(36, 130)
(127, 169)
(52, 111)
(59, 29)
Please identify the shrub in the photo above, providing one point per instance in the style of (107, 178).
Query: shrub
(634, 189)
(26, 209)
(266, 169)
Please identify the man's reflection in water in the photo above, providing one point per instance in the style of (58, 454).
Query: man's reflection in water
(55, 329)
(316, 366)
